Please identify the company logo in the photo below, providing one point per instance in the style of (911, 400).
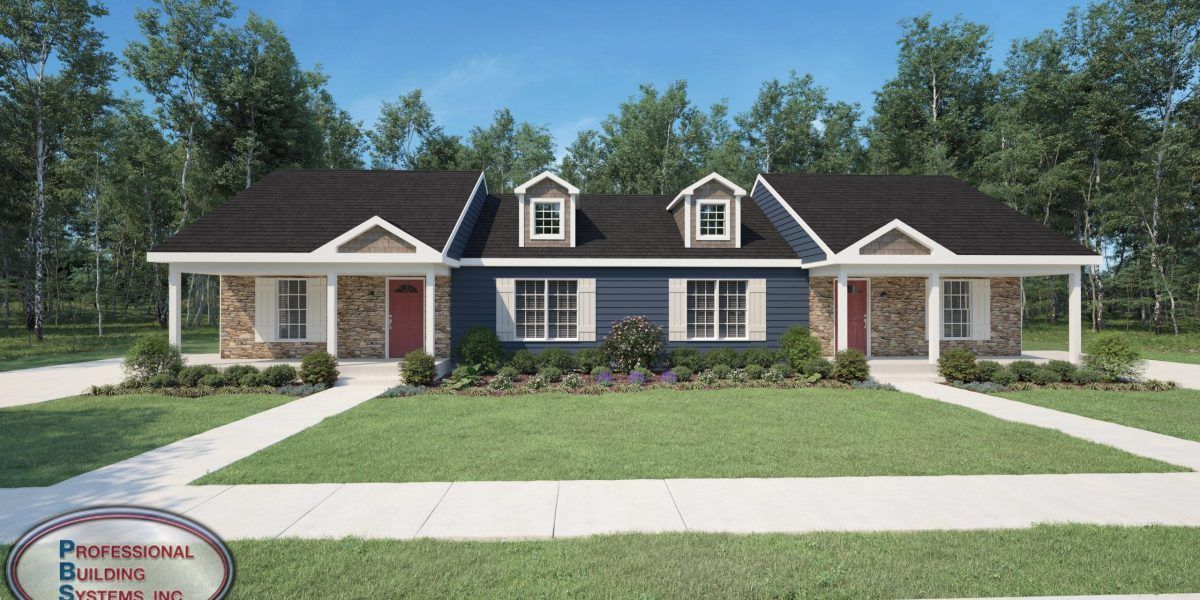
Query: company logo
(119, 553)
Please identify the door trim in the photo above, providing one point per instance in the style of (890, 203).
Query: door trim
(387, 310)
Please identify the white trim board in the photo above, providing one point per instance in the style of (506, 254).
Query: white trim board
(714, 176)
(726, 226)
(855, 249)
(463, 214)
(524, 187)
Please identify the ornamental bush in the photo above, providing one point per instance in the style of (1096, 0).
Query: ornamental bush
(723, 356)
(573, 381)
(150, 356)
(190, 376)
(235, 373)
(524, 362)
(957, 364)
(634, 342)
(816, 366)
(590, 358)
(788, 371)
(1046, 376)
(558, 358)
(1066, 370)
(986, 369)
(687, 357)
(212, 380)
(1086, 376)
(755, 371)
(669, 378)
(600, 370)
(418, 368)
(1023, 369)
(721, 371)
(319, 367)
(162, 380)
(1112, 355)
(763, 357)
(798, 347)
(480, 346)
(508, 372)
(550, 374)
(851, 365)
(279, 375)
(1004, 377)
(682, 373)
(252, 380)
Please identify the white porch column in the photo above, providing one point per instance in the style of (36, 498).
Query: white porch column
(933, 317)
(331, 321)
(430, 281)
(1075, 315)
(843, 312)
(174, 316)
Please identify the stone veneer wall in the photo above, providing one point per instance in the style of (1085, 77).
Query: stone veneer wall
(898, 320)
(237, 325)
(362, 313)
(441, 316)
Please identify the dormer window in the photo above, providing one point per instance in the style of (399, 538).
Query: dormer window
(713, 220)
(547, 219)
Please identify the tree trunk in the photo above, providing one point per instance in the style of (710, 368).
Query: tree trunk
(39, 219)
(96, 239)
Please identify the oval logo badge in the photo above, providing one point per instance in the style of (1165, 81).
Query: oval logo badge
(119, 553)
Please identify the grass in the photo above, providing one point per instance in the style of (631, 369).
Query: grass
(1044, 560)
(64, 344)
(1175, 413)
(1184, 347)
(667, 434)
(42, 444)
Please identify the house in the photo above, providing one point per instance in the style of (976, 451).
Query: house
(373, 264)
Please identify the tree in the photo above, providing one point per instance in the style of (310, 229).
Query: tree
(54, 74)
(584, 160)
(342, 141)
(509, 153)
(400, 130)
(651, 142)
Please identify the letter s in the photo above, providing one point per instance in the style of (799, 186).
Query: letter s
(66, 592)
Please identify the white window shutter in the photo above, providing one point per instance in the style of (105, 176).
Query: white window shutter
(266, 309)
(506, 304)
(316, 309)
(586, 310)
(677, 310)
(981, 309)
(756, 309)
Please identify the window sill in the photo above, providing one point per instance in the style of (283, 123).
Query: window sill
(544, 237)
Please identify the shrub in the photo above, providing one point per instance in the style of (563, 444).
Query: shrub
(871, 384)
(303, 389)
(598, 371)
(550, 374)
(235, 373)
(1086, 376)
(190, 376)
(1004, 377)
(279, 375)
(1023, 369)
(669, 378)
(150, 356)
(558, 358)
(1112, 355)
(647, 373)
(774, 375)
(319, 367)
(418, 368)
(798, 346)
(723, 356)
(850, 365)
(722, 371)
(590, 358)
(573, 381)
(1066, 370)
(501, 382)
(636, 378)
(682, 373)
(251, 380)
(983, 387)
(524, 362)
(755, 371)
(1046, 376)
(634, 342)
(763, 357)
(739, 376)
(480, 346)
(687, 357)
(817, 366)
(213, 380)
(788, 371)
(508, 372)
(537, 382)
(986, 369)
(957, 364)
(603, 378)
(402, 391)
(162, 380)
(708, 377)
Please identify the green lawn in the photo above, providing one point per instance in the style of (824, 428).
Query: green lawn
(668, 434)
(1046, 560)
(1184, 347)
(77, 343)
(1175, 413)
(42, 444)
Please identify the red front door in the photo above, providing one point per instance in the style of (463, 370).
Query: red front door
(406, 316)
(856, 322)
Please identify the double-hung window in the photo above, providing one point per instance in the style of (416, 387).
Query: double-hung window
(716, 309)
(713, 220)
(293, 309)
(547, 309)
(956, 309)
(547, 219)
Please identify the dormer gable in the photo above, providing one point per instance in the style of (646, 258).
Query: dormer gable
(709, 213)
(546, 217)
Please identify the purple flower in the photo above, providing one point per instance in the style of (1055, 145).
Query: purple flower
(604, 378)
(668, 377)
(636, 378)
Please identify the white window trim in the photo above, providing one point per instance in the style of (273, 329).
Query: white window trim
(562, 213)
(970, 310)
(545, 309)
(278, 310)
(725, 237)
(716, 312)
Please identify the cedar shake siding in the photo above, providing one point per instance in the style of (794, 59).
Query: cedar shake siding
(548, 190)
(625, 292)
(715, 191)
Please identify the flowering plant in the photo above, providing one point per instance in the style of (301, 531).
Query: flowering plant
(605, 379)
(634, 342)
(636, 378)
(668, 378)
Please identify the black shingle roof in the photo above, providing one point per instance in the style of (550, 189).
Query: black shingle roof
(842, 209)
(302, 210)
(620, 227)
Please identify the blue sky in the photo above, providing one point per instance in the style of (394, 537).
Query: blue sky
(567, 67)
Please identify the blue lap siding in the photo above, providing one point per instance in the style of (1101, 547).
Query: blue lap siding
(795, 235)
(625, 291)
(459, 243)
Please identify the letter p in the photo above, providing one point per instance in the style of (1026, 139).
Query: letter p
(65, 547)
